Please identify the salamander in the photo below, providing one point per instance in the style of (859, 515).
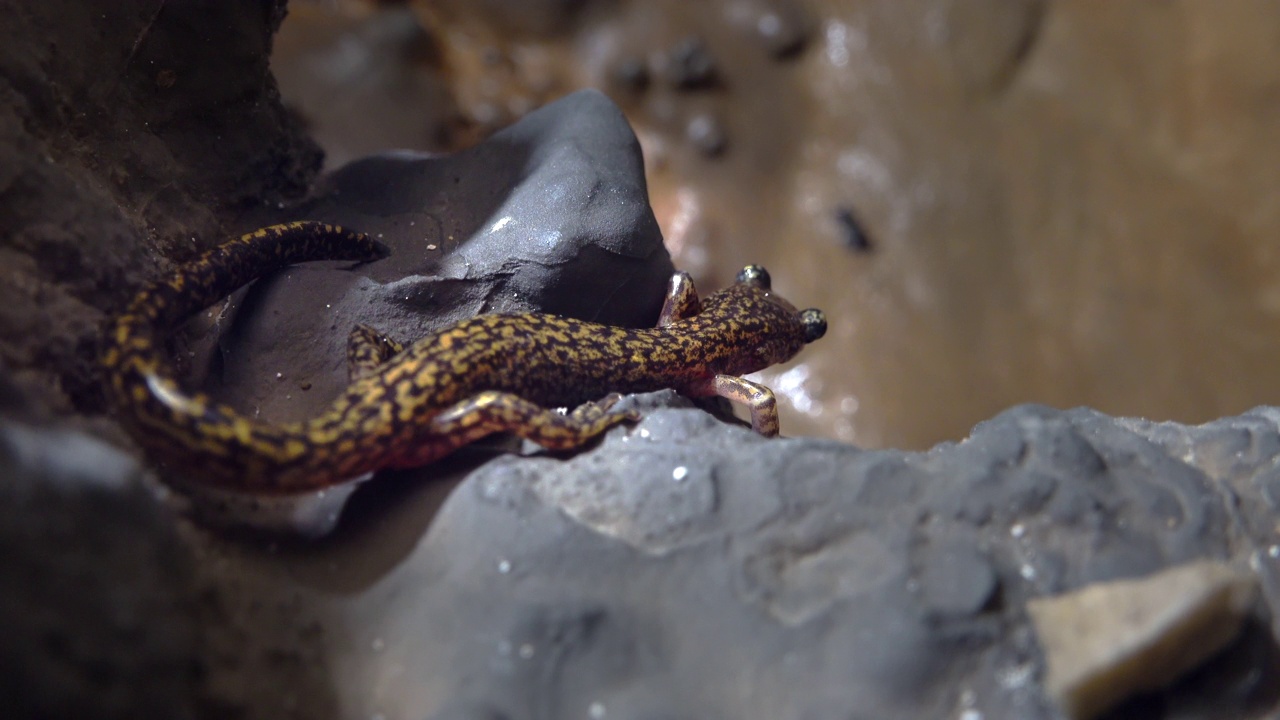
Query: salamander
(408, 406)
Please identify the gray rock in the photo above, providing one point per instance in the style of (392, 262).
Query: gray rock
(684, 567)
(955, 578)
(550, 215)
(688, 568)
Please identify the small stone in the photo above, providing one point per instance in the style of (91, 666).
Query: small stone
(631, 73)
(691, 65)
(1109, 641)
(855, 237)
(707, 134)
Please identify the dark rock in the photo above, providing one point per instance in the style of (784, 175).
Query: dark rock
(855, 236)
(96, 612)
(690, 65)
(550, 215)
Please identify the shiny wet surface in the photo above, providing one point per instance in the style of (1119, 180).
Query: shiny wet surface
(994, 203)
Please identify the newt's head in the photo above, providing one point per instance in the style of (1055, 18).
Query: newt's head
(773, 330)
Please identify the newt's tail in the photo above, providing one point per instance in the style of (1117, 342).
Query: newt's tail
(190, 427)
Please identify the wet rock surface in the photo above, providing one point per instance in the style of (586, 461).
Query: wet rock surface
(548, 215)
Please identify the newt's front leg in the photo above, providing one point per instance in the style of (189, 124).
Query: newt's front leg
(758, 399)
(682, 300)
(368, 350)
(491, 412)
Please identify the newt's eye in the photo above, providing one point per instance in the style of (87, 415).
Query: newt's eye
(814, 322)
(755, 275)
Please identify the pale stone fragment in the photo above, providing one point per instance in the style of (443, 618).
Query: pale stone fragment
(1109, 641)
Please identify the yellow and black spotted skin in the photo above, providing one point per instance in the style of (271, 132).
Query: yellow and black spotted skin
(406, 407)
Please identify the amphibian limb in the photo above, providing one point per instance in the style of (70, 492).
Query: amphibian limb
(408, 406)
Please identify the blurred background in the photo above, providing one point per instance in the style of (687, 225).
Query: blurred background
(995, 201)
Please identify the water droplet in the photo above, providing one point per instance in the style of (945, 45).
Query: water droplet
(504, 566)
(526, 651)
(680, 473)
(596, 710)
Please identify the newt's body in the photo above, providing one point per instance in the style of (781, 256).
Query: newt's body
(408, 407)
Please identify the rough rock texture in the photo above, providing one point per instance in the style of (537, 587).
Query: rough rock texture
(139, 119)
(688, 568)
(548, 215)
(683, 568)
(97, 613)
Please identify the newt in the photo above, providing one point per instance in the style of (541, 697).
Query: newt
(409, 406)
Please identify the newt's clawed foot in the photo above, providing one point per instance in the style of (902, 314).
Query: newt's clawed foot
(758, 399)
(592, 411)
(492, 412)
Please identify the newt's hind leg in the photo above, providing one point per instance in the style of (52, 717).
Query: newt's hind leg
(367, 350)
(492, 411)
(682, 300)
(758, 398)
